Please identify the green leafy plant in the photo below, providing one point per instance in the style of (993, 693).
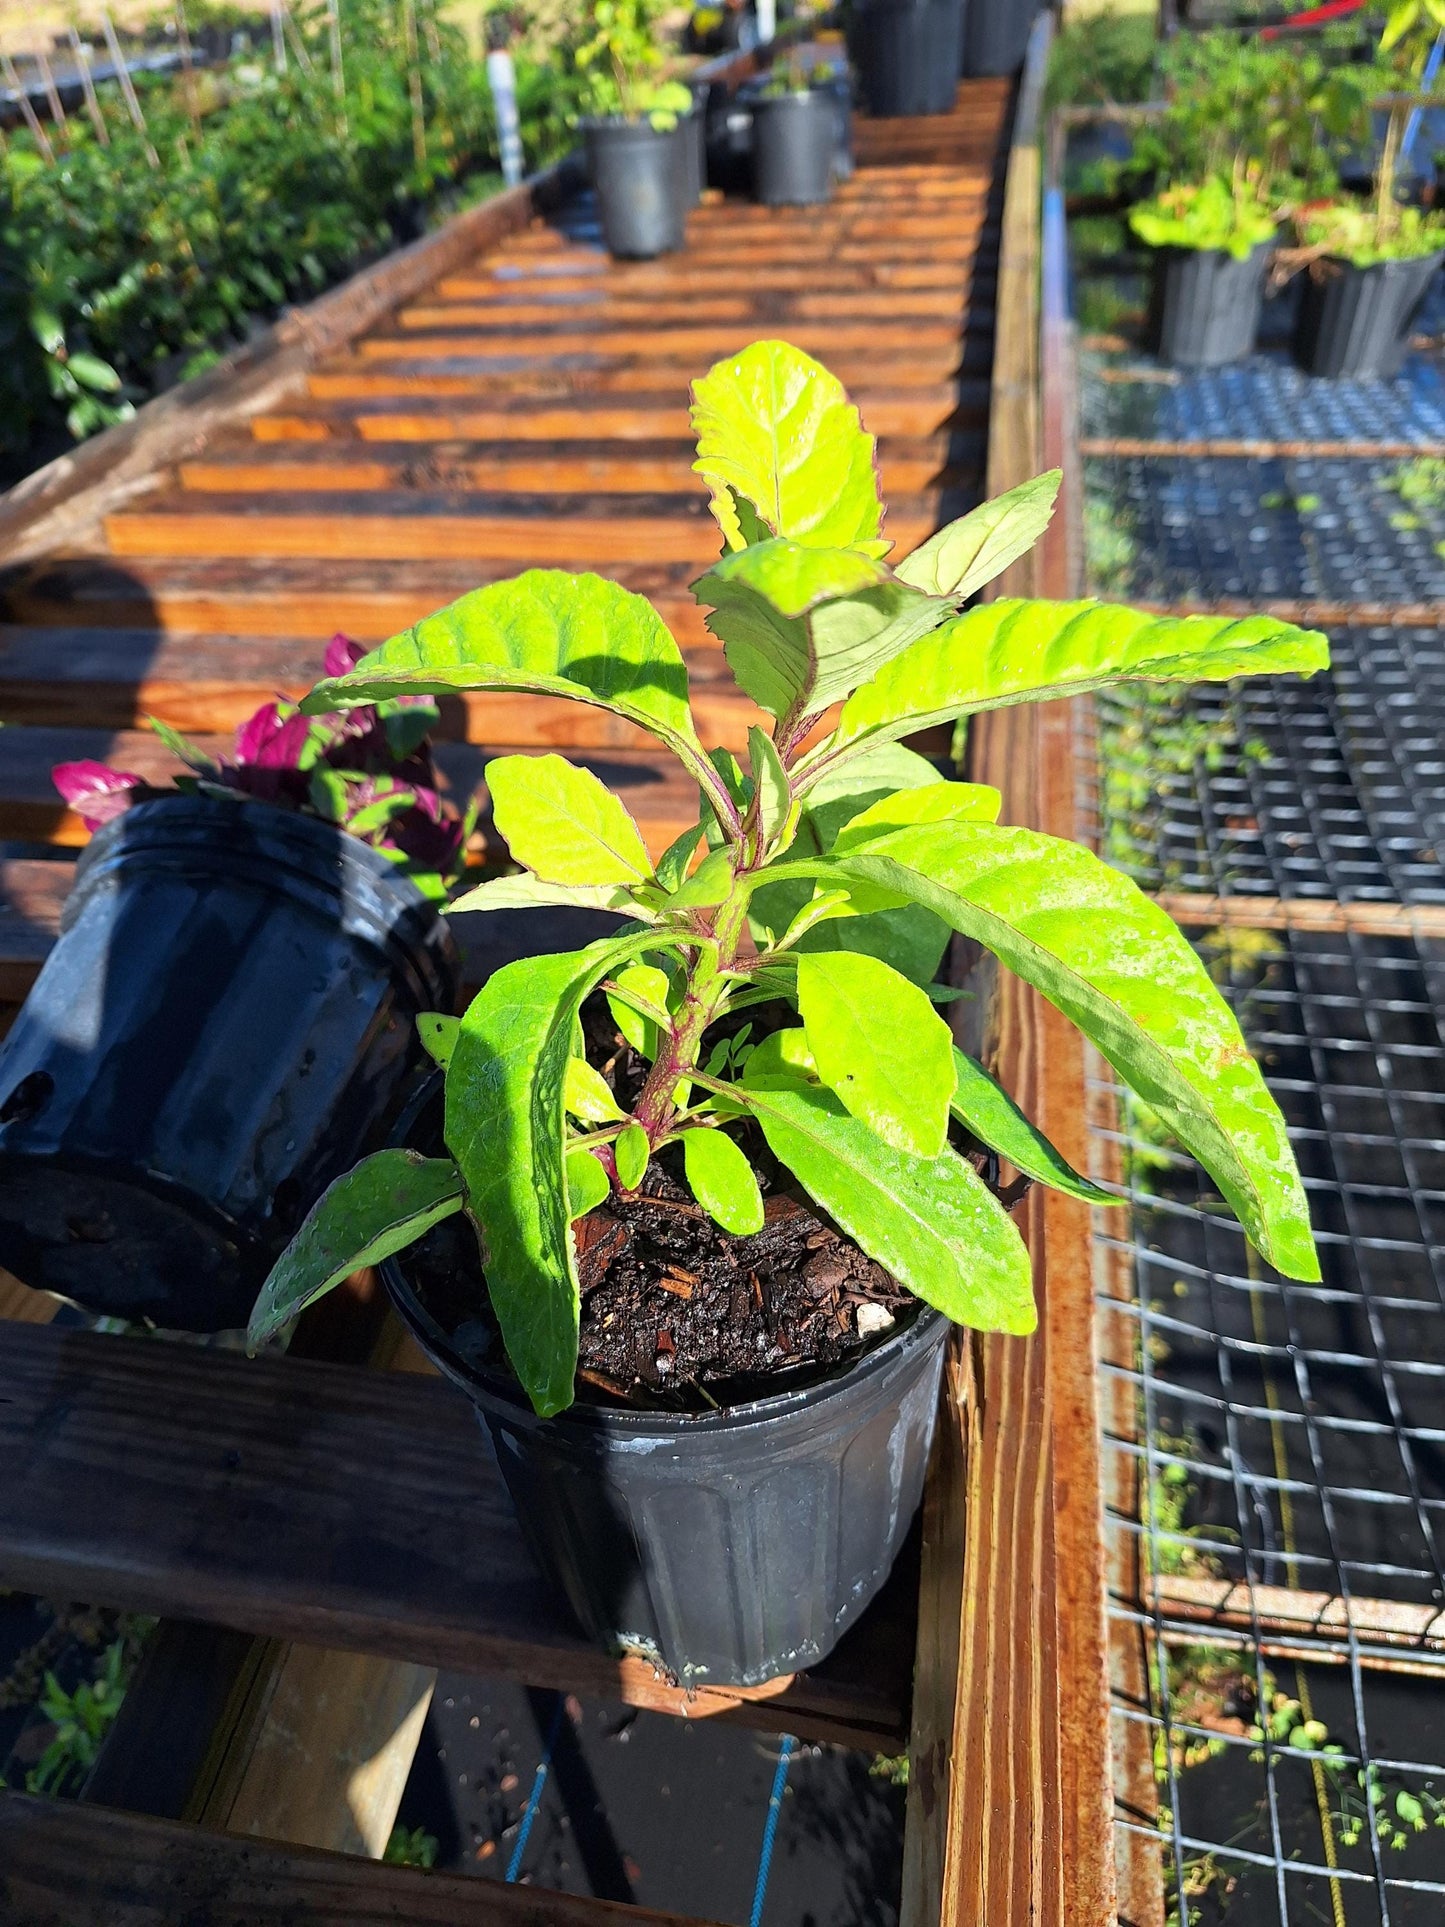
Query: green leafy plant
(824, 874)
(623, 67)
(1210, 214)
(81, 1720)
(1385, 230)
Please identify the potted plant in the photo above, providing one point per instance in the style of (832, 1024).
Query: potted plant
(796, 134)
(1245, 137)
(1371, 265)
(229, 1014)
(1212, 242)
(908, 54)
(996, 35)
(639, 132)
(730, 1173)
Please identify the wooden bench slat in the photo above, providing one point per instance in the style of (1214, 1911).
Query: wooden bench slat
(339, 1507)
(68, 1865)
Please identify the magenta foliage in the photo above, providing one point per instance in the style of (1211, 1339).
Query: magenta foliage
(369, 770)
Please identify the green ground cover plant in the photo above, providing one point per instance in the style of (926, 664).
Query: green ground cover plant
(117, 275)
(824, 876)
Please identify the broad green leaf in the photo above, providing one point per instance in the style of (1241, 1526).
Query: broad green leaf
(1011, 652)
(775, 428)
(1119, 968)
(881, 1046)
(722, 1181)
(993, 1117)
(438, 1034)
(672, 864)
(709, 883)
(770, 782)
(587, 1184)
(588, 1095)
(564, 823)
(548, 632)
(526, 892)
(639, 1005)
(910, 939)
(929, 803)
(506, 1129)
(631, 1150)
(800, 627)
(973, 550)
(820, 906)
(379, 1207)
(931, 1222)
(784, 1053)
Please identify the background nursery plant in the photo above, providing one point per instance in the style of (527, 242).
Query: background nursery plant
(833, 866)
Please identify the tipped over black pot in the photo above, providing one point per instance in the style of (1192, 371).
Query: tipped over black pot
(225, 1024)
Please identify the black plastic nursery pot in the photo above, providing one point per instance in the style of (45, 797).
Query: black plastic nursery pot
(1357, 321)
(907, 53)
(225, 1024)
(728, 1547)
(1205, 304)
(642, 176)
(795, 143)
(692, 132)
(996, 36)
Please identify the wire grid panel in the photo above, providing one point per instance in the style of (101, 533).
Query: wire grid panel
(1290, 1439)
(1331, 788)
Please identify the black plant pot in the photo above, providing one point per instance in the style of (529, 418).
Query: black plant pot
(641, 175)
(907, 53)
(795, 144)
(1205, 304)
(728, 1547)
(1357, 321)
(996, 36)
(692, 141)
(224, 1026)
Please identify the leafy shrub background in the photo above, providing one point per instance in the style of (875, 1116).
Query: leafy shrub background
(118, 277)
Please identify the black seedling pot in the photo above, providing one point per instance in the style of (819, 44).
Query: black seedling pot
(692, 141)
(224, 1026)
(795, 145)
(727, 1547)
(996, 36)
(907, 53)
(641, 174)
(1205, 305)
(1357, 321)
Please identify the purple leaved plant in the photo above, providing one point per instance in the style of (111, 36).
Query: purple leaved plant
(369, 770)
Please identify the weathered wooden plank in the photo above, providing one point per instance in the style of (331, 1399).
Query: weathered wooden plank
(64, 1865)
(338, 1507)
(207, 683)
(504, 281)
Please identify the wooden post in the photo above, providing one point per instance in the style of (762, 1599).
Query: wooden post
(52, 92)
(87, 87)
(127, 88)
(413, 71)
(188, 77)
(32, 119)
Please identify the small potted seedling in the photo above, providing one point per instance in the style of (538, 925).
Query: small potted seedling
(697, 1204)
(228, 1016)
(1212, 240)
(796, 134)
(636, 125)
(1372, 264)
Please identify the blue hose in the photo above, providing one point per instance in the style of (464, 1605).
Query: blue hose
(770, 1829)
(534, 1798)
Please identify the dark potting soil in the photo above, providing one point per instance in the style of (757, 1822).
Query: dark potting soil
(676, 1312)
